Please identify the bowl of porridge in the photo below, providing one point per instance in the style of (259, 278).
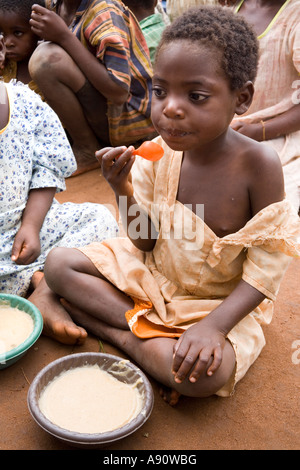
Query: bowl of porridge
(21, 324)
(89, 400)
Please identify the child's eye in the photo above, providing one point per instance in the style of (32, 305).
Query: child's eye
(18, 34)
(196, 96)
(159, 92)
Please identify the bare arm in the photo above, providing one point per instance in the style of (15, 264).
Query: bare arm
(207, 338)
(50, 27)
(116, 165)
(281, 125)
(26, 247)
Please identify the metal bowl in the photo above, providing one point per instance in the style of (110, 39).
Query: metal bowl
(108, 363)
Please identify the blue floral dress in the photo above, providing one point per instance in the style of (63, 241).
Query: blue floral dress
(35, 153)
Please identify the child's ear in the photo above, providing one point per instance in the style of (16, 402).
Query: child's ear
(244, 98)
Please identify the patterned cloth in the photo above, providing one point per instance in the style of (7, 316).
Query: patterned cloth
(277, 88)
(35, 153)
(152, 28)
(113, 35)
(191, 270)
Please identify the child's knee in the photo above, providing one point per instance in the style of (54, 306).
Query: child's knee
(44, 58)
(56, 266)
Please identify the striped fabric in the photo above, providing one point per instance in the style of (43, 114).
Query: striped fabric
(113, 35)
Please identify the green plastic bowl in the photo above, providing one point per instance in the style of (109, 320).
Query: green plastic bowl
(8, 358)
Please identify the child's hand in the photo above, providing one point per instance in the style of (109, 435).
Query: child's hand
(194, 351)
(253, 130)
(47, 24)
(116, 164)
(26, 247)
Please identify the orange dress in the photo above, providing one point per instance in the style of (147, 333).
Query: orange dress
(191, 270)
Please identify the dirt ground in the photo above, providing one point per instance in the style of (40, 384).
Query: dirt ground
(263, 413)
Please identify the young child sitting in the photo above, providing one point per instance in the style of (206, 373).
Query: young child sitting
(19, 40)
(35, 158)
(209, 231)
(151, 22)
(95, 73)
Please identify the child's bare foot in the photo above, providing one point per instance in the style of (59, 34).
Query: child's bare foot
(36, 279)
(170, 395)
(84, 169)
(57, 322)
(86, 160)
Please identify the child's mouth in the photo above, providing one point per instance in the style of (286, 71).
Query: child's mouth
(176, 132)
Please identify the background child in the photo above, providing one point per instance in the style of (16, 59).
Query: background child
(20, 41)
(188, 304)
(35, 157)
(151, 22)
(274, 115)
(96, 78)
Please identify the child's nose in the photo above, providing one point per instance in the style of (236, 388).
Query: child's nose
(173, 109)
(8, 41)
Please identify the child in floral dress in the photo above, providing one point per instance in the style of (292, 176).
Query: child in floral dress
(35, 159)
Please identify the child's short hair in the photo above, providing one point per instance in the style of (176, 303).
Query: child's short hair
(226, 31)
(21, 7)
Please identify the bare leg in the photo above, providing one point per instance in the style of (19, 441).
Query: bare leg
(57, 322)
(98, 306)
(59, 79)
(155, 356)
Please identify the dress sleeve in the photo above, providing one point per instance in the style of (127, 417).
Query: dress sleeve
(53, 159)
(264, 270)
(270, 254)
(270, 239)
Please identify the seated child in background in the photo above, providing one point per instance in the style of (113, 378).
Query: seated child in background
(151, 23)
(274, 114)
(35, 158)
(183, 297)
(19, 40)
(97, 79)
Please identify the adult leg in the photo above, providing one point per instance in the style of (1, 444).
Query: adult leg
(60, 80)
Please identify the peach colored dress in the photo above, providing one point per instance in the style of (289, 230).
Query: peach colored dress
(277, 88)
(191, 270)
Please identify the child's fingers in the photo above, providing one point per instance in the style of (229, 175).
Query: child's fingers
(108, 155)
(218, 356)
(16, 250)
(183, 360)
(114, 162)
(38, 8)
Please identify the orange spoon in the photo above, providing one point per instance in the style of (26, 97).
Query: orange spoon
(150, 150)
